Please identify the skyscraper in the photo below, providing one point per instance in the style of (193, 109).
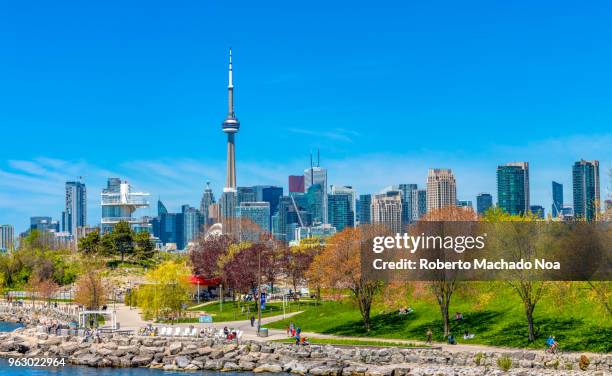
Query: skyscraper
(407, 191)
(75, 212)
(208, 198)
(317, 175)
(365, 206)
(441, 188)
(483, 202)
(270, 194)
(513, 187)
(352, 195)
(387, 210)
(557, 198)
(315, 203)
(246, 194)
(255, 219)
(7, 238)
(585, 181)
(230, 126)
(419, 204)
(192, 223)
(296, 184)
(340, 211)
(43, 224)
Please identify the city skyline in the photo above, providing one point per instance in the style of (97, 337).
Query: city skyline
(150, 113)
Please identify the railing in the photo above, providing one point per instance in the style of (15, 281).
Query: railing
(131, 200)
(119, 219)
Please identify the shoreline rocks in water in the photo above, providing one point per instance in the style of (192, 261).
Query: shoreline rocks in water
(214, 354)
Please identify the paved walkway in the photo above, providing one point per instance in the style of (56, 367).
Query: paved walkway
(131, 319)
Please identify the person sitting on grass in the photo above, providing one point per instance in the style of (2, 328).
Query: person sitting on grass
(451, 339)
(467, 335)
(458, 316)
(305, 341)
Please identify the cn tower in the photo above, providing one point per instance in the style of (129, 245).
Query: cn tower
(231, 125)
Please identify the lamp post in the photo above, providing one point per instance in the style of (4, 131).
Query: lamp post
(259, 289)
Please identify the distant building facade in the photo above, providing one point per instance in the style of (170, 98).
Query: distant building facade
(441, 189)
(7, 238)
(75, 212)
(513, 188)
(585, 181)
(557, 198)
(484, 201)
(387, 210)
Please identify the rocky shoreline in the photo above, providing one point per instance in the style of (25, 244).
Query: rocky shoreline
(214, 354)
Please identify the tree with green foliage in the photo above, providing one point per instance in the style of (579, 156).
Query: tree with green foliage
(90, 244)
(515, 239)
(145, 249)
(166, 292)
(122, 240)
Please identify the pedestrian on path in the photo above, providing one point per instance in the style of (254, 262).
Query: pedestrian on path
(252, 321)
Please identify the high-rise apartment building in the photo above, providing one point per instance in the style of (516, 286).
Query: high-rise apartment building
(7, 238)
(365, 207)
(483, 202)
(352, 195)
(585, 181)
(441, 189)
(192, 223)
(75, 212)
(387, 210)
(557, 198)
(254, 219)
(513, 188)
(419, 204)
(407, 191)
(340, 210)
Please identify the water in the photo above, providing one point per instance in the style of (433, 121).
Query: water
(9, 326)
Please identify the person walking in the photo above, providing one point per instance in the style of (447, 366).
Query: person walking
(252, 321)
(429, 335)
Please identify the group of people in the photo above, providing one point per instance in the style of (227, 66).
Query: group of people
(149, 330)
(296, 333)
(229, 334)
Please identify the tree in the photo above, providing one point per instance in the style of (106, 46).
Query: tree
(206, 254)
(47, 289)
(296, 260)
(444, 287)
(90, 244)
(339, 266)
(145, 249)
(167, 290)
(90, 290)
(519, 238)
(122, 239)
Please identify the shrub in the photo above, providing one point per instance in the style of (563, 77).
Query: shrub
(504, 363)
(478, 358)
(584, 362)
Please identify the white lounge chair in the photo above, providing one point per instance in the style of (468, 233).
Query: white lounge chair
(163, 331)
(186, 332)
(194, 332)
(177, 332)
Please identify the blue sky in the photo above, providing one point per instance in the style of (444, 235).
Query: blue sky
(384, 89)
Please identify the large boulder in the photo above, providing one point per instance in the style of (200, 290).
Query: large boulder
(141, 360)
(273, 368)
(182, 361)
(174, 348)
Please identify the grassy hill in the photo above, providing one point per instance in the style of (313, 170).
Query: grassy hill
(575, 320)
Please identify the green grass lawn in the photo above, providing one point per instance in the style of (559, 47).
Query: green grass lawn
(577, 325)
(233, 311)
(353, 342)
